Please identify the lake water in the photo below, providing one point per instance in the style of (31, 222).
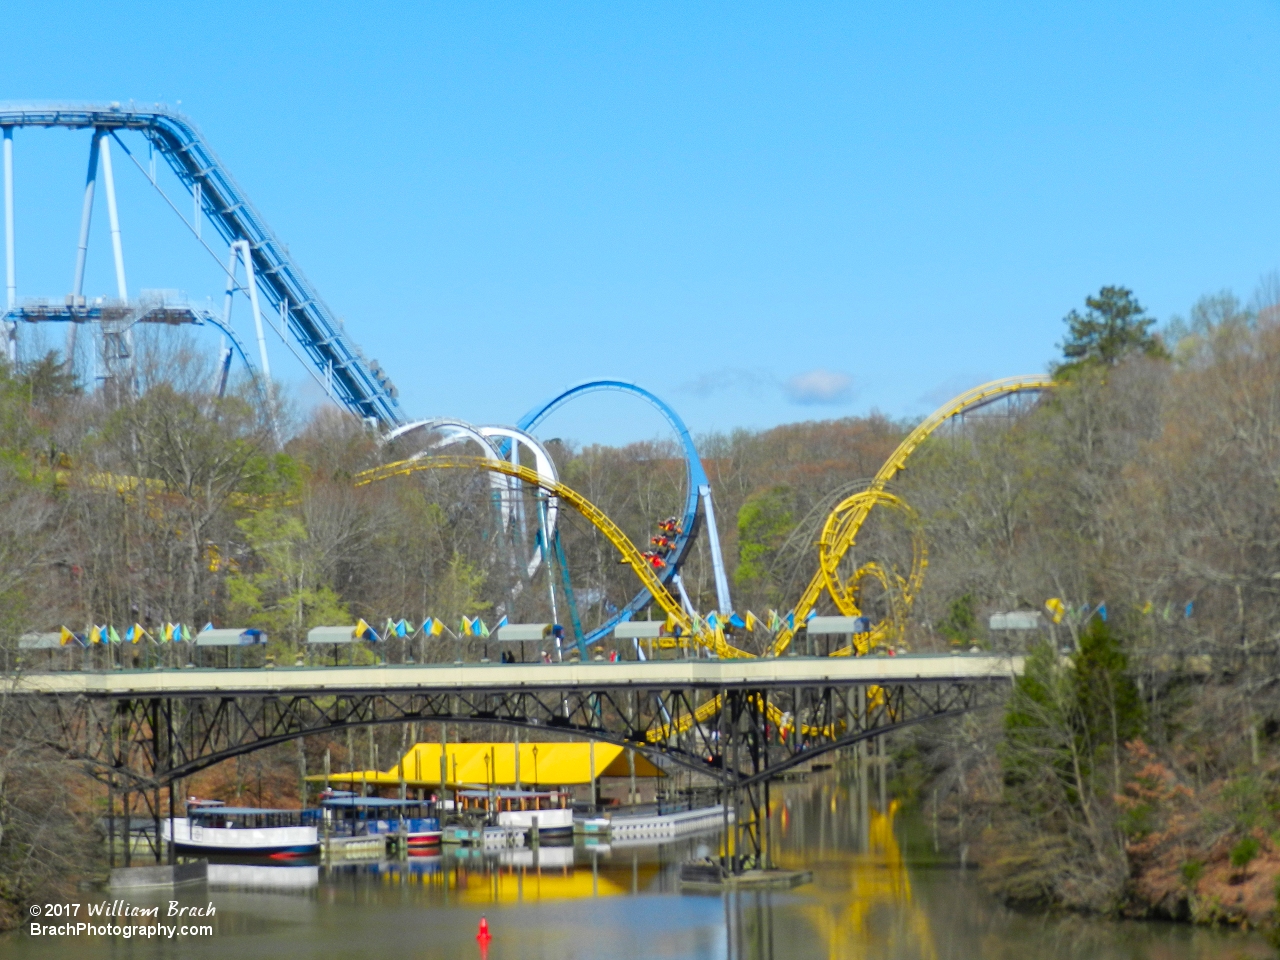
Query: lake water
(874, 895)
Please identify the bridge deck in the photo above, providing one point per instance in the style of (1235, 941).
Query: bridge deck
(653, 674)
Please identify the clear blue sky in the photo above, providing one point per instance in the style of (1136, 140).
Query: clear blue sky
(765, 213)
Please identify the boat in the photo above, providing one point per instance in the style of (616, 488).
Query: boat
(547, 811)
(212, 827)
(346, 815)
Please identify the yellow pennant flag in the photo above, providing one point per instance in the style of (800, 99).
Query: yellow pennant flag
(437, 627)
(1057, 609)
(750, 620)
(65, 636)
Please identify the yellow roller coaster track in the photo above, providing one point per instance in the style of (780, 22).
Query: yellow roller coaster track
(844, 522)
(839, 533)
(713, 640)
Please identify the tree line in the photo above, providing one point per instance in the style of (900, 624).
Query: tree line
(1141, 494)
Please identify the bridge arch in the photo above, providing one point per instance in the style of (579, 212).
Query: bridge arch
(656, 753)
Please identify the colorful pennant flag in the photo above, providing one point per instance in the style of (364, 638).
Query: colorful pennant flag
(465, 627)
(65, 636)
(363, 631)
(437, 627)
(112, 635)
(750, 622)
(738, 622)
(166, 633)
(1057, 609)
(480, 628)
(501, 623)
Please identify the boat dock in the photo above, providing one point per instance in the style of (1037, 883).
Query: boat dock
(650, 827)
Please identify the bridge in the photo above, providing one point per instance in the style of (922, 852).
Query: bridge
(142, 732)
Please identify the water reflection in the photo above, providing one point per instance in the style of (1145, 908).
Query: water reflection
(863, 904)
(521, 874)
(513, 876)
(875, 894)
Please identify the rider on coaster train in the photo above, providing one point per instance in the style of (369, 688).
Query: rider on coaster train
(662, 544)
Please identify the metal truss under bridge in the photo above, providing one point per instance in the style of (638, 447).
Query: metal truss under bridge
(353, 381)
(142, 731)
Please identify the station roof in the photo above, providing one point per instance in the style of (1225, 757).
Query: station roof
(379, 802)
(230, 637)
(40, 641)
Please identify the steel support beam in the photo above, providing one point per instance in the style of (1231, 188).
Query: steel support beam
(113, 217)
(10, 266)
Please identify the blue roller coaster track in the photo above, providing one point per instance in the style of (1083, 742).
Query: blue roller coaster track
(354, 382)
(699, 488)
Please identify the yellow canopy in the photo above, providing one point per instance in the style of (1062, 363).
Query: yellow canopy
(482, 764)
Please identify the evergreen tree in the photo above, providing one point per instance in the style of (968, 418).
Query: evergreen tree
(1113, 326)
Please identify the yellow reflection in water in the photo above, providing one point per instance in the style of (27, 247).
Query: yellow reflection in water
(527, 882)
(872, 913)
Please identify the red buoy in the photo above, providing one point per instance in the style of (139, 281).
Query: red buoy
(483, 934)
